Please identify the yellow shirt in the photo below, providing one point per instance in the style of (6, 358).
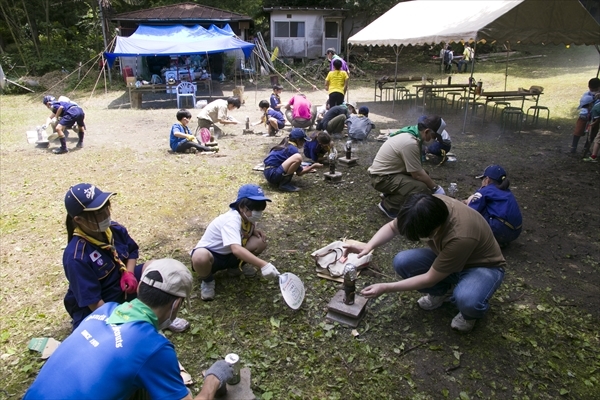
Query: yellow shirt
(337, 81)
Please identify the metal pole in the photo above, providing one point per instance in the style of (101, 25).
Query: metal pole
(506, 71)
(469, 88)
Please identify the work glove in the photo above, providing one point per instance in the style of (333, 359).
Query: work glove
(222, 370)
(269, 271)
(439, 190)
(128, 282)
(191, 138)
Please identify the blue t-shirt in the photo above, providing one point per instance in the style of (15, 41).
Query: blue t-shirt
(55, 105)
(277, 157)
(274, 101)
(93, 274)
(174, 140)
(102, 361)
(492, 203)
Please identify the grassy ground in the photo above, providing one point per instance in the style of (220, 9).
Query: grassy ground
(540, 339)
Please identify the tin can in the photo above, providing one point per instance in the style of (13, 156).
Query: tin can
(234, 360)
(212, 133)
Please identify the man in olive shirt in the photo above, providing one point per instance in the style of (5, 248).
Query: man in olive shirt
(463, 264)
(397, 171)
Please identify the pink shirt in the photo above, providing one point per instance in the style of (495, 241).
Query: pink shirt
(301, 107)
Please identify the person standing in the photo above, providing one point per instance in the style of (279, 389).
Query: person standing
(468, 55)
(118, 350)
(67, 114)
(397, 171)
(462, 265)
(336, 84)
(331, 56)
(497, 204)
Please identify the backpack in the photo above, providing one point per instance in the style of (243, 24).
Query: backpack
(204, 135)
(447, 58)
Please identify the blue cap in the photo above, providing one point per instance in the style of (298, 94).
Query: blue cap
(494, 172)
(48, 99)
(85, 197)
(364, 110)
(249, 191)
(298, 133)
(586, 99)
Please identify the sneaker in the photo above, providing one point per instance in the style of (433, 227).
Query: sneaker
(429, 302)
(288, 187)
(179, 325)
(591, 159)
(79, 144)
(60, 150)
(207, 290)
(247, 270)
(389, 214)
(461, 324)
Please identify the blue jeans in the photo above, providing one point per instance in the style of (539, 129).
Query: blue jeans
(474, 286)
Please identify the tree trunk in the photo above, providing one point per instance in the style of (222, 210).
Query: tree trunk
(35, 37)
(12, 33)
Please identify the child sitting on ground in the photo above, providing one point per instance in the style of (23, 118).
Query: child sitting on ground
(442, 143)
(273, 119)
(498, 205)
(231, 242)
(285, 159)
(318, 146)
(181, 139)
(359, 125)
(275, 99)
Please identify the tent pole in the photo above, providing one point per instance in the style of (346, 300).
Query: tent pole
(506, 71)
(395, 77)
(469, 88)
(347, 61)
(598, 49)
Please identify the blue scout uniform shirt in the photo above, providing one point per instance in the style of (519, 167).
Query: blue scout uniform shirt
(493, 203)
(55, 105)
(274, 101)
(313, 150)
(277, 157)
(278, 116)
(174, 140)
(331, 114)
(93, 274)
(100, 360)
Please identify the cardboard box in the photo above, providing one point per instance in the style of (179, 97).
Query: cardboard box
(130, 80)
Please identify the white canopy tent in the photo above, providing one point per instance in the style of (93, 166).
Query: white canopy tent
(421, 22)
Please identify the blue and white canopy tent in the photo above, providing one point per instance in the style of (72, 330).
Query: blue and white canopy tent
(176, 40)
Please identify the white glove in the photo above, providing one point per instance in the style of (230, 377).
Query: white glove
(439, 190)
(269, 271)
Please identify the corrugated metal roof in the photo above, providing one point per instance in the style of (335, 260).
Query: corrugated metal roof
(181, 12)
(302, 9)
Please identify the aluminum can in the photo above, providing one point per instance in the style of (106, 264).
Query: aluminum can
(234, 360)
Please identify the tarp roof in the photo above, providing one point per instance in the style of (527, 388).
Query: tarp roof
(181, 12)
(176, 40)
(422, 22)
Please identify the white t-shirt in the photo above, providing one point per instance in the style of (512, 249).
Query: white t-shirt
(222, 232)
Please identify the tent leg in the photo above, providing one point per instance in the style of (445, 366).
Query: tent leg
(469, 89)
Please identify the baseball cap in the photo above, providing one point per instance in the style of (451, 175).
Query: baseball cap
(176, 277)
(85, 197)
(364, 111)
(585, 100)
(298, 133)
(48, 99)
(351, 104)
(423, 118)
(250, 191)
(330, 50)
(494, 172)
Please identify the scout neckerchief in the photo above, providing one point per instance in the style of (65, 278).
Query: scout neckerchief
(132, 311)
(109, 246)
(414, 131)
(186, 130)
(246, 231)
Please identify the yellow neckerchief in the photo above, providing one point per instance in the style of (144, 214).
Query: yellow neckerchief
(247, 230)
(110, 246)
(293, 144)
(186, 130)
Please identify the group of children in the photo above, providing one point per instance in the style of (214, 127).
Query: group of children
(588, 122)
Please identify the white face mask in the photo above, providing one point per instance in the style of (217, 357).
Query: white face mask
(104, 225)
(169, 320)
(256, 215)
